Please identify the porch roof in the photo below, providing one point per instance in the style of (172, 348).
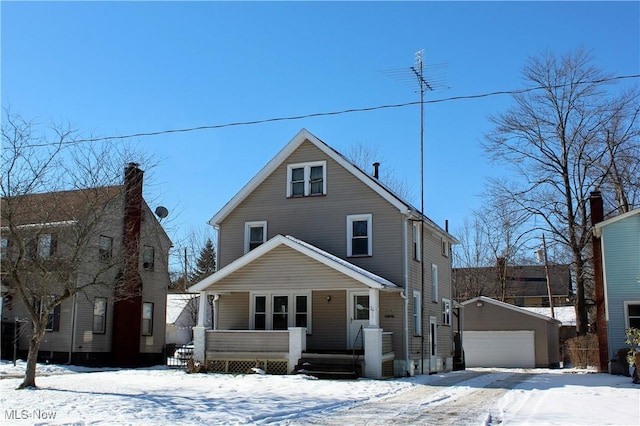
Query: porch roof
(357, 273)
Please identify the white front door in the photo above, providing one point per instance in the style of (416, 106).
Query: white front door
(433, 345)
(358, 315)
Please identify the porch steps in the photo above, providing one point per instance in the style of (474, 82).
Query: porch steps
(325, 366)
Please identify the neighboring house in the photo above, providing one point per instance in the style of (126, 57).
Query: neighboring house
(520, 285)
(182, 316)
(498, 334)
(96, 326)
(620, 241)
(319, 259)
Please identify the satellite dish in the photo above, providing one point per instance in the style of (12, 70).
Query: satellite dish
(162, 212)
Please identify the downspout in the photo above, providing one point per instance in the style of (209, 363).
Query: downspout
(404, 295)
(73, 327)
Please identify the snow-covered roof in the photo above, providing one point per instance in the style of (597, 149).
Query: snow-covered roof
(509, 306)
(565, 314)
(359, 274)
(176, 304)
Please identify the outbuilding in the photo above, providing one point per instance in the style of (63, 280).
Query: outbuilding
(497, 334)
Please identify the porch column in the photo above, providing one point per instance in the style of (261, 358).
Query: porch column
(372, 352)
(297, 345)
(199, 331)
(374, 308)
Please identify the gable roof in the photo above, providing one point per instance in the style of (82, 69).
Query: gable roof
(365, 277)
(304, 135)
(510, 307)
(600, 225)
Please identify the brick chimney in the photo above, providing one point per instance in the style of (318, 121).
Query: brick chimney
(597, 215)
(127, 309)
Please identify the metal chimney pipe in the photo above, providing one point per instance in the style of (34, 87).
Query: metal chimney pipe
(376, 167)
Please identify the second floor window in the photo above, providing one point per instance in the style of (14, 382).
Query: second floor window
(46, 245)
(417, 248)
(307, 179)
(4, 247)
(446, 311)
(105, 249)
(434, 282)
(255, 234)
(359, 241)
(148, 255)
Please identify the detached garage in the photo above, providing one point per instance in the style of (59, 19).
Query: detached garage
(497, 334)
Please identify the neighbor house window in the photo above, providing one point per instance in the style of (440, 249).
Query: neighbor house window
(416, 242)
(359, 241)
(148, 257)
(417, 313)
(445, 247)
(99, 315)
(53, 318)
(46, 245)
(307, 179)
(147, 319)
(279, 311)
(446, 311)
(255, 234)
(632, 314)
(434, 282)
(4, 247)
(105, 248)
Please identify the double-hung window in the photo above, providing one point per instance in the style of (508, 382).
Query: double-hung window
(417, 247)
(46, 245)
(148, 258)
(307, 179)
(105, 248)
(446, 311)
(99, 315)
(359, 230)
(147, 318)
(417, 313)
(255, 234)
(53, 318)
(434, 282)
(4, 247)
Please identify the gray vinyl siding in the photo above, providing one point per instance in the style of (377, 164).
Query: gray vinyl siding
(392, 319)
(319, 220)
(621, 254)
(490, 317)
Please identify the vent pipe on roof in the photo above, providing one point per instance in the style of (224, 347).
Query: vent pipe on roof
(376, 168)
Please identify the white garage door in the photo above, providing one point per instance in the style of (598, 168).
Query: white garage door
(508, 349)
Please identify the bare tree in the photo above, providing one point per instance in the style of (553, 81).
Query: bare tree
(552, 143)
(56, 195)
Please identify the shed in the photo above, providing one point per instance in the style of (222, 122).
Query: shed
(497, 334)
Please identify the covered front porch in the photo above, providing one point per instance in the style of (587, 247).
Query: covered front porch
(347, 334)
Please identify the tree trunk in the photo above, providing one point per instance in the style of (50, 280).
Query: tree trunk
(32, 359)
(582, 326)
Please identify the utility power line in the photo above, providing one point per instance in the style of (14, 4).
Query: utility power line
(324, 114)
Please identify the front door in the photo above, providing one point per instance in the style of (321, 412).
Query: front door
(433, 345)
(358, 318)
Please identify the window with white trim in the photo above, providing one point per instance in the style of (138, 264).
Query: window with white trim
(632, 314)
(417, 313)
(99, 315)
(446, 311)
(148, 258)
(417, 247)
(147, 318)
(255, 234)
(445, 247)
(46, 245)
(307, 179)
(281, 310)
(105, 248)
(359, 241)
(434, 282)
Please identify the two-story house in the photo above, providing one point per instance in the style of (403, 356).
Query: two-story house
(320, 259)
(105, 247)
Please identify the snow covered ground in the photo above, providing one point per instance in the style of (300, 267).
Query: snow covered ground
(159, 396)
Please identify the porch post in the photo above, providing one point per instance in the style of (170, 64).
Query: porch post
(372, 352)
(297, 345)
(199, 331)
(374, 308)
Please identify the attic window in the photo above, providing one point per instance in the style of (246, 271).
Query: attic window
(306, 179)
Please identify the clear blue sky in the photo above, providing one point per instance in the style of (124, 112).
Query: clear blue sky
(116, 68)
